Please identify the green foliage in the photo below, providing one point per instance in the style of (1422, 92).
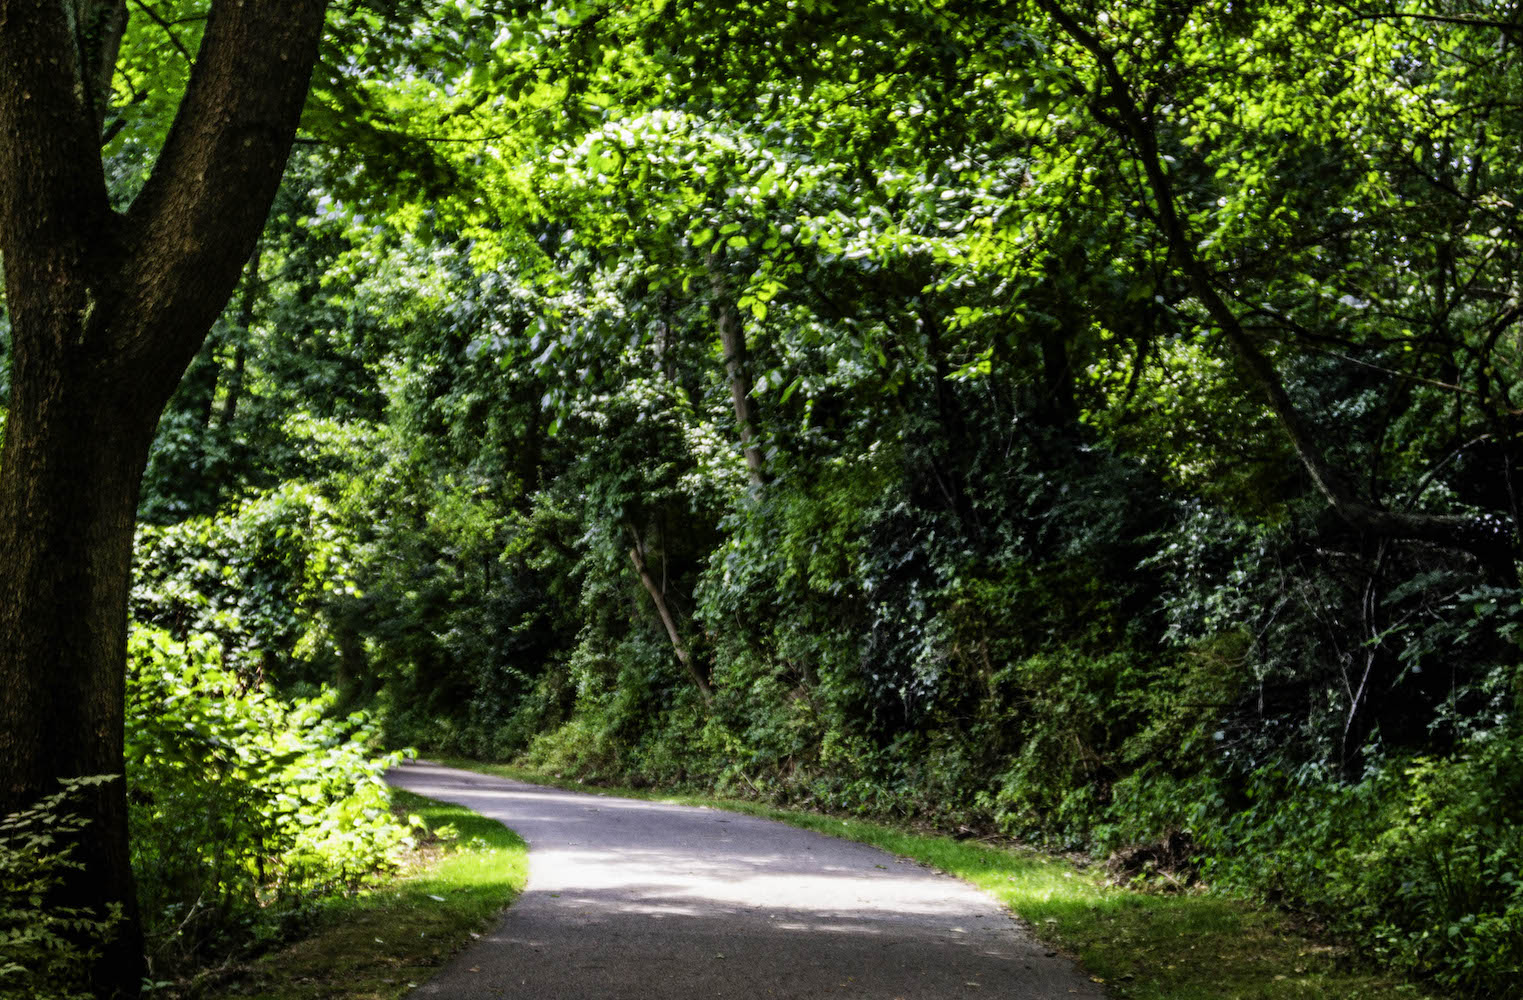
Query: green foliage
(1419, 863)
(246, 809)
(258, 576)
(375, 943)
(1030, 550)
(45, 948)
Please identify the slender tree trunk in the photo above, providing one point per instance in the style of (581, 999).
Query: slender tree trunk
(234, 388)
(658, 598)
(1059, 407)
(240, 351)
(947, 465)
(732, 340)
(1060, 404)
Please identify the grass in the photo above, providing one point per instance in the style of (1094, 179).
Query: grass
(1140, 944)
(378, 945)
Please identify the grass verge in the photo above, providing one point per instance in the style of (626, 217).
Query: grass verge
(379, 944)
(1142, 945)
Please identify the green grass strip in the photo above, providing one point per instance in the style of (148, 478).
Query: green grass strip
(379, 944)
(1140, 944)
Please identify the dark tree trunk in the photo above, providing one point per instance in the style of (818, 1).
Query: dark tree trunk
(229, 411)
(732, 340)
(67, 498)
(658, 598)
(1059, 407)
(250, 297)
(202, 380)
(948, 465)
(106, 312)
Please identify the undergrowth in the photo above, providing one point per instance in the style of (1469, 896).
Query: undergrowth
(379, 944)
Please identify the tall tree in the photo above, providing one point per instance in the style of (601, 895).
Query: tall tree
(107, 309)
(1125, 87)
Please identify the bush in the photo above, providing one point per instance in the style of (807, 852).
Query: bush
(44, 948)
(245, 810)
(259, 576)
(1420, 864)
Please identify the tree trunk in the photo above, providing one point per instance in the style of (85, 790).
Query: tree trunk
(251, 288)
(658, 598)
(229, 411)
(732, 340)
(107, 310)
(67, 502)
(1059, 406)
(947, 464)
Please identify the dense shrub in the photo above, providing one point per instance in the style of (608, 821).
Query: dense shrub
(1420, 864)
(258, 576)
(1044, 668)
(245, 809)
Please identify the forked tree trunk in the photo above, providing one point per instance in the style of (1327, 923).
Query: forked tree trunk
(107, 310)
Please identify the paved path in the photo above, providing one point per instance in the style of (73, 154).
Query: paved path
(632, 900)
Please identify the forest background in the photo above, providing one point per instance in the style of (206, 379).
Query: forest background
(1097, 425)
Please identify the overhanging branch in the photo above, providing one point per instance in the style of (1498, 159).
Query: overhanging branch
(1118, 110)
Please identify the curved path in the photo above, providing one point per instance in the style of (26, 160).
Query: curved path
(633, 900)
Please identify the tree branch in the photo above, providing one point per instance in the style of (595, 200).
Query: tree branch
(169, 31)
(198, 216)
(97, 27)
(658, 598)
(55, 216)
(1473, 22)
(1117, 109)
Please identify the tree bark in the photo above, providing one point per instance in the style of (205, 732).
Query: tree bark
(66, 531)
(96, 27)
(658, 598)
(251, 286)
(732, 340)
(107, 311)
(1060, 407)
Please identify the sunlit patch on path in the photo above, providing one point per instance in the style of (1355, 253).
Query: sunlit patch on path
(648, 901)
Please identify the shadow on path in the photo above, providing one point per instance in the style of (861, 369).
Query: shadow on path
(653, 901)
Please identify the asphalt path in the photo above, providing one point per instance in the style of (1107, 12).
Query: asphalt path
(634, 900)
